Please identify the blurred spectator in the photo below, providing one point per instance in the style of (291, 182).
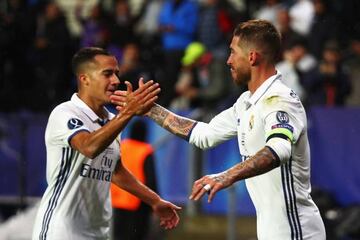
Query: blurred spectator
(50, 57)
(131, 68)
(323, 28)
(72, 13)
(148, 29)
(148, 24)
(284, 27)
(131, 217)
(302, 14)
(297, 62)
(123, 24)
(204, 80)
(352, 65)
(214, 28)
(177, 22)
(328, 84)
(95, 27)
(269, 11)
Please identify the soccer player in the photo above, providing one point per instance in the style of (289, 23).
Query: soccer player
(271, 126)
(82, 144)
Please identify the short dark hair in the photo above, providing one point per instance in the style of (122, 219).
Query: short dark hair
(85, 55)
(262, 35)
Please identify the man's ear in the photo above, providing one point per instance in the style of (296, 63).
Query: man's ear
(254, 58)
(83, 79)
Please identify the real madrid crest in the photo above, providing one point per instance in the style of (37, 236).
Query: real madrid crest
(251, 122)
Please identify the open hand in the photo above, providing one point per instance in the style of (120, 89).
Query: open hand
(136, 102)
(210, 184)
(167, 212)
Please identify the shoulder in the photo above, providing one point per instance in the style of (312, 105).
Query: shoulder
(65, 112)
(62, 108)
(279, 96)
(281, 91)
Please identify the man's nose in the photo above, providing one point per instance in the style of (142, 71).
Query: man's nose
(115, 79)
(228, 61)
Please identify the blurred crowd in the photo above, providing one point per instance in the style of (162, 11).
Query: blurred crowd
(182, 44)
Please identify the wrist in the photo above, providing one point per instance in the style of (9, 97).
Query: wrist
(150, 113)
(154, 201)
(124, 116)
(226, 178)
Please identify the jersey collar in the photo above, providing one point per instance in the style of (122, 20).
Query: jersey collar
(87, 110)
(262, 89)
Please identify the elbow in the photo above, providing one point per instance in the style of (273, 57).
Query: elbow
(90, 152)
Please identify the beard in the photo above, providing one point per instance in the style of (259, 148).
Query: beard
(241, 77)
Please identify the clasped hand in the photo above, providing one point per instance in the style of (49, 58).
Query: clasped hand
(136, 102)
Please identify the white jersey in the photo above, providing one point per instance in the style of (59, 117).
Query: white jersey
(284, 207)
(76, 204)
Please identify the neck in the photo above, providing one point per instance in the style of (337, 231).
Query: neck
(259, 75)
(92, 103)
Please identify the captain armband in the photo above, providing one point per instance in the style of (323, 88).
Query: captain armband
(279, 140)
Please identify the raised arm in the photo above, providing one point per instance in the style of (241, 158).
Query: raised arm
(92, 144)
(178, 125)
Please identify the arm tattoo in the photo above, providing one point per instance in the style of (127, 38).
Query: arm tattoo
(176, 124)
(158, 114)
(262, 162)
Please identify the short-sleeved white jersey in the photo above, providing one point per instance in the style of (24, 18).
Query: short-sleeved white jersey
(76, 204)
(284, 207)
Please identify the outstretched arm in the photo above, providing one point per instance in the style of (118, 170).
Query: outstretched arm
(205, 135)
(166, 211)
(263, 161)
(178, 125)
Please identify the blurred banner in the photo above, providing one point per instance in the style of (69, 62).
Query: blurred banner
(333, 135)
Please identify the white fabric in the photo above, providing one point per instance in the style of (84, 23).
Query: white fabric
(282, 148)
(281, 197)
(76, 203)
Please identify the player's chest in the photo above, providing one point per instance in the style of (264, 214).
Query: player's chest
(251, 131)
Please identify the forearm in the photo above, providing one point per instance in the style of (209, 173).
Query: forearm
(262, 162)
(125, 180)
(92, 144)
(180, 126)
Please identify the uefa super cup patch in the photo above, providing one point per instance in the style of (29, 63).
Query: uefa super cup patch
(282, 117)
(283, 125)
(74, 123)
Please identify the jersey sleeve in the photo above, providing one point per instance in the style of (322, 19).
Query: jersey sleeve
(221, 128)
(284, 121)
(63, 124)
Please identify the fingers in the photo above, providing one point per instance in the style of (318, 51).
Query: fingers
(139, 101)
(175, 207)
(129, 88)
(143, 86)
(198, 190)
(141, 81)
(171, 221)
(203, 186)
(119, 93)
(213, 191)
(118, 98)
